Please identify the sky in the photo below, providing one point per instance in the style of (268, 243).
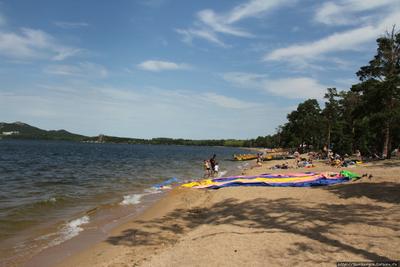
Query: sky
(176, 68)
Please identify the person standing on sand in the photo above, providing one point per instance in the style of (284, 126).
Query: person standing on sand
(358, 155)
(259, 159)
(212, 163)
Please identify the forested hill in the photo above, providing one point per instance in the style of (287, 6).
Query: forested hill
(19, 130)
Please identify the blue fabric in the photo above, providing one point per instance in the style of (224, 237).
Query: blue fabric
(167, 182)
(265, 175)
(318, 182)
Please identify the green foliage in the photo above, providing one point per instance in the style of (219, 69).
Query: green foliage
(25, 131)
(366, 118)
(234, 143)
(379, 91)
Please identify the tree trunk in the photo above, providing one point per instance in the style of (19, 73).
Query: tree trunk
(386, 152)
(329, 136)
(353, 133)
(279, 139)
(301, 146)
(390, 147)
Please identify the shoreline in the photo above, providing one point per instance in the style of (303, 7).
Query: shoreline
(86, 228)
(94, 230)
(182, 220)
(56, 212)
(102, 224)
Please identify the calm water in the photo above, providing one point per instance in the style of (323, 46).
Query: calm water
(45, 182)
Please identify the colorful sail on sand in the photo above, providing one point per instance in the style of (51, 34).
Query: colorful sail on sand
(306, 179)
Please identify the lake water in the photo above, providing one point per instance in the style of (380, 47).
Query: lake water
(48, 189)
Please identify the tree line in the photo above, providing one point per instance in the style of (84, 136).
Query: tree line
(365, 118)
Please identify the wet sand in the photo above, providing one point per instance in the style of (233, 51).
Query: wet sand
(262, 226)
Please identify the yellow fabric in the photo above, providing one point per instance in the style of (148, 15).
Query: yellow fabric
(282, 180)
(199, 183)
(208, 182)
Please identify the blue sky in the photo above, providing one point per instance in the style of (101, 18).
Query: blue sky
(174, 68)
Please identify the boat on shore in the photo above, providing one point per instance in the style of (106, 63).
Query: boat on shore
(243, 157)
(265, 157)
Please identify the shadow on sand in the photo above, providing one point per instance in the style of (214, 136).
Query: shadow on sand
(384, 163)
(383, 192)
(280, 215)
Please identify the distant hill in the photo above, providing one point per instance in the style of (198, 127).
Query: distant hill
(20, 130)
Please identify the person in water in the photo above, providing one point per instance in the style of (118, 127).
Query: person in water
(212, 164)
(216, 168)
(207, 168)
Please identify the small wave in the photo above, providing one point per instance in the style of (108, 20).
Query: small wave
(43, 202)
(155, 189)
(70, 230)
(152, 190)
(222, 173)
(52, 199)
(131, 199)
(74, 227)
(244, 165)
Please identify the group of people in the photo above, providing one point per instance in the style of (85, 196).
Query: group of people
(336, 160)
(283, 166)
(333, 159)
(211, 167)
(304, 162)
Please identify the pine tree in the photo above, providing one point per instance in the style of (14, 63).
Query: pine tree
(380, 85)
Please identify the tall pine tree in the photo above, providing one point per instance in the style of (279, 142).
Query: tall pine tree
(380, 86)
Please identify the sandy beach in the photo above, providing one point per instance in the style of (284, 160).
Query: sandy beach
(114, 115)
(262, 226)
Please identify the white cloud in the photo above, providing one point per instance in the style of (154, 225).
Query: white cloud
(347, 40)
(302, 87)
(82, 69)
(31, 44)
(65, 52)
(70, 25)
(189, 34)
(209, 23)
(350, 40)
(347, 12)
(220, 24)
(192, 99)
(243, 79)
(253, 8)
(158, 65)
(228, 102)
(293, 88)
